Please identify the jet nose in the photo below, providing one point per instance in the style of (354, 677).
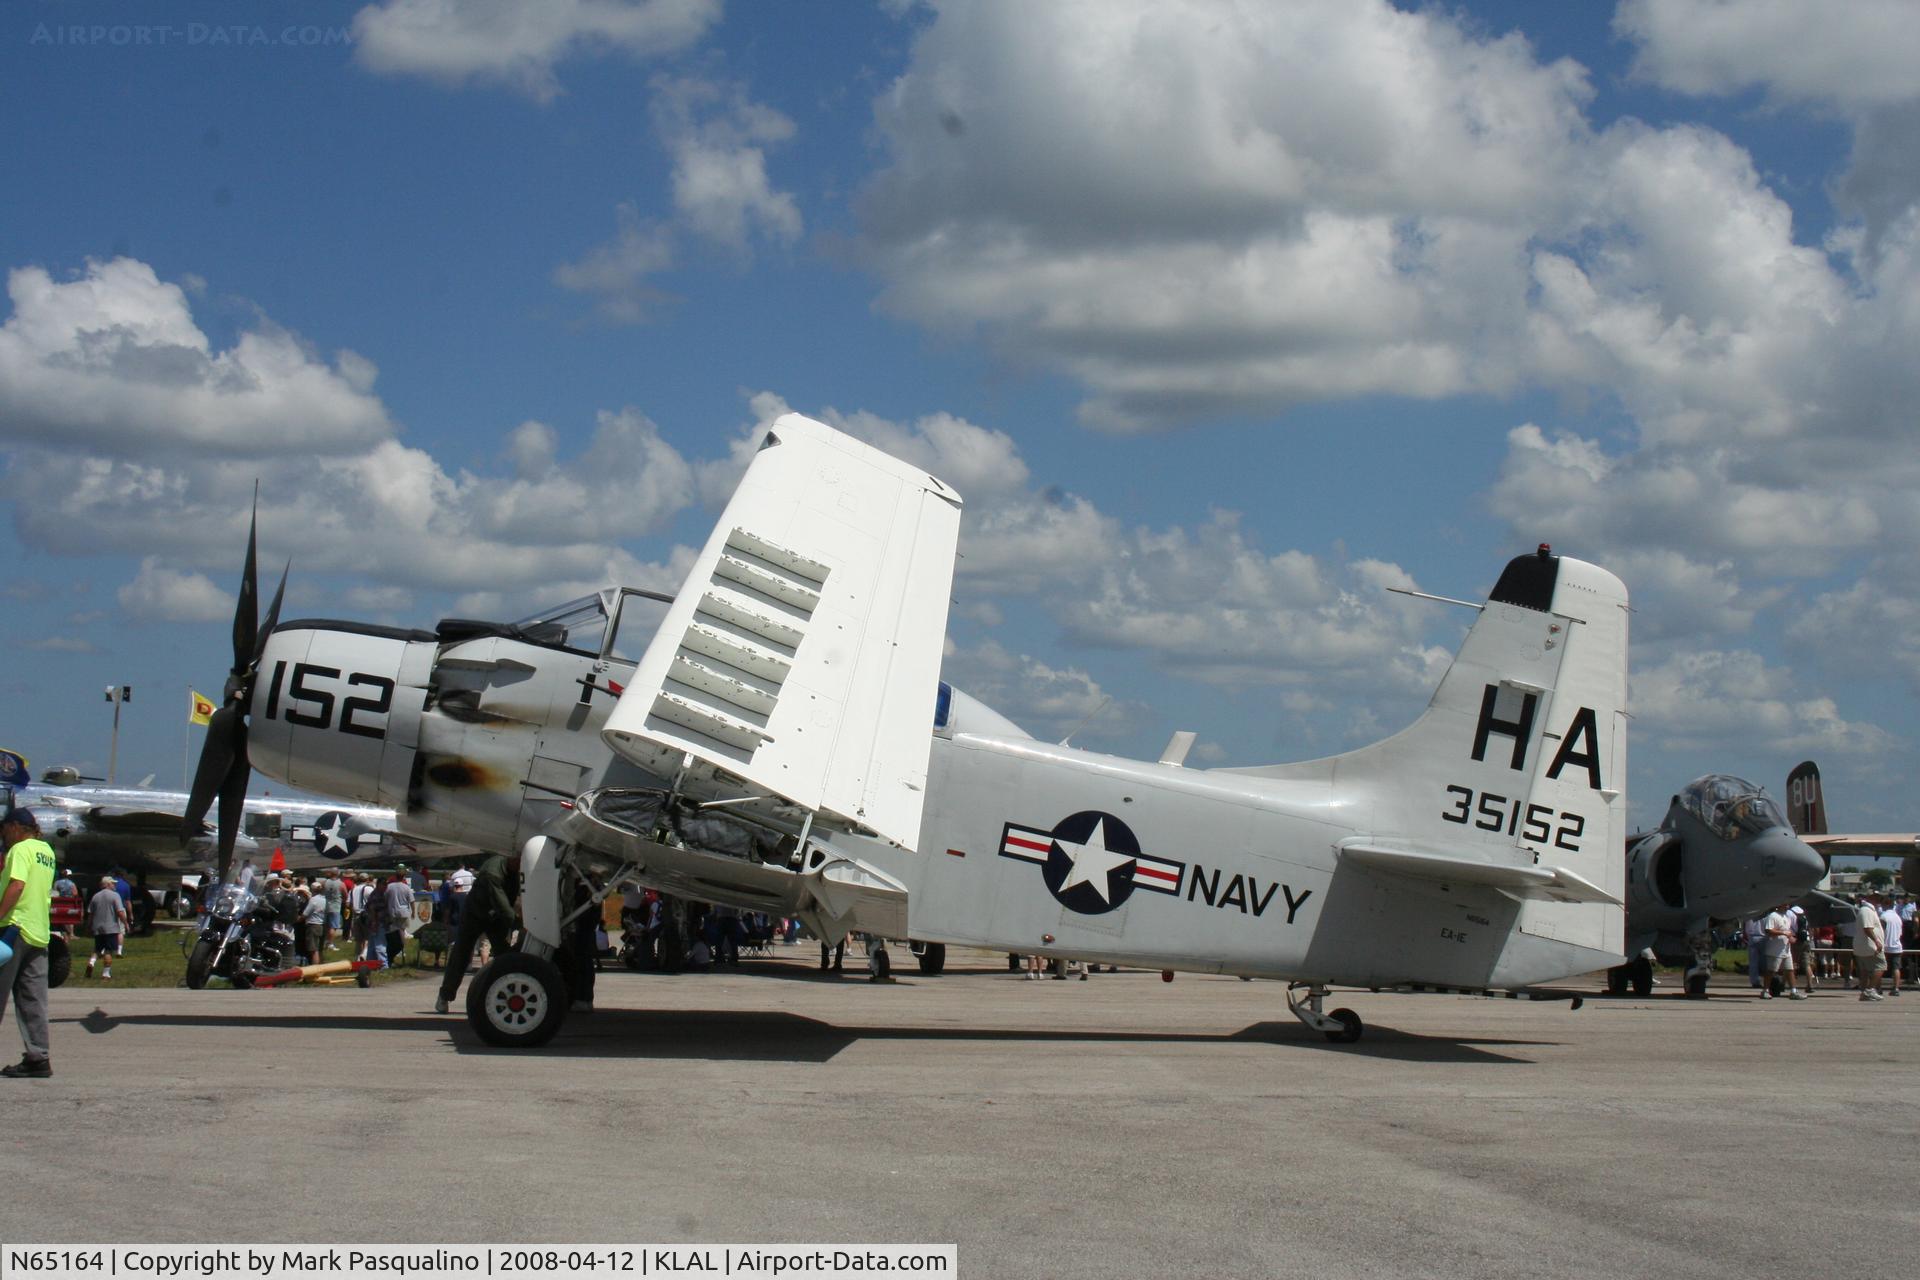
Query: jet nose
(1788, 866)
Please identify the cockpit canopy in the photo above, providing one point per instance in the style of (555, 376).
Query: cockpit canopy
(615, 623)
(1731, 807)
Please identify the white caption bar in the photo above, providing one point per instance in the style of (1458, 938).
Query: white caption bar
(470, 1261)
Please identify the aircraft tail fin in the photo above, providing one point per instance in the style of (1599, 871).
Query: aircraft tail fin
(1518, 764)
(1806, 802)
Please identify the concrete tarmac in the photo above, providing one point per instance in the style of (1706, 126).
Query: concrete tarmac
(1110, 1128)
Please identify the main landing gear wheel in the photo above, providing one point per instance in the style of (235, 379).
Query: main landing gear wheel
(932, 957)
(517, 1002)
(1350, 1026)
(140, 913)
(1617, 980)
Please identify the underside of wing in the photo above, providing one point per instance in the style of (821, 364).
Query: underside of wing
(1893, 845)
(797, 668)
(1549, 884)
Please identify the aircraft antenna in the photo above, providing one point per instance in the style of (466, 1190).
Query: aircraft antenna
(1422, 595)
(1083, 722)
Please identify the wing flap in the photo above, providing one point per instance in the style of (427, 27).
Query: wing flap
(1549, 884)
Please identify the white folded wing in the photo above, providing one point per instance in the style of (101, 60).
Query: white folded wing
(802, 655)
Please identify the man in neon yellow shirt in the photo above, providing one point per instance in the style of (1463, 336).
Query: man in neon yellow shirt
(26, 897)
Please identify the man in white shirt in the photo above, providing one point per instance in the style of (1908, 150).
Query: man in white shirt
(1869, 949)
(1891, 926)
(1776, 959)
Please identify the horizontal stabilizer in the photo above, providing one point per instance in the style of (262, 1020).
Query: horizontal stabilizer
(1551, 884)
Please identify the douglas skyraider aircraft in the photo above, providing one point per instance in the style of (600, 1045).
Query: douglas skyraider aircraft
(771, 748)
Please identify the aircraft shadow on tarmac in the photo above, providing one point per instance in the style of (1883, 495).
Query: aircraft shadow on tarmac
(774, 1036)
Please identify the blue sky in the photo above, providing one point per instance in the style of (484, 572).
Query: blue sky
(1224, 318)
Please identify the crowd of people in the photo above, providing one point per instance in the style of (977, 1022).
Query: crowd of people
(1873, 949)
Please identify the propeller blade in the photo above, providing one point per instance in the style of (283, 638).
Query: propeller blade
(226, 732)
(233, 801)
(246, 610)
(272, 619)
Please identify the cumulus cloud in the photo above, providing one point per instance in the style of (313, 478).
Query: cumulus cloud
(722, 194)
(1229, 208)
(1790, 49)
(1701, 699)
(1047, 701)
(1212, 605)
(112, 359)
(519, 43)
(617, 275)
(156, 441)
(718, 139)
(161, 594)
(1872, 625)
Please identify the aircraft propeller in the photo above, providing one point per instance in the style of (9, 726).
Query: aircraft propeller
(224, 768)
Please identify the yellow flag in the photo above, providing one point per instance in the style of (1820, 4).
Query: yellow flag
(202, 711)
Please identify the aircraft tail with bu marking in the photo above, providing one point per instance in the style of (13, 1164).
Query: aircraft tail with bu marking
(1513, 780)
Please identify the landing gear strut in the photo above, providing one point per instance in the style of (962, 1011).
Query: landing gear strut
(1342, 1026)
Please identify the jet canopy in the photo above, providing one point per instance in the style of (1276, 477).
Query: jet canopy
(1731, 807)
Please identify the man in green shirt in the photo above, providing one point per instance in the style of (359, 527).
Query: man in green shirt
(26, 899)
(489, 913)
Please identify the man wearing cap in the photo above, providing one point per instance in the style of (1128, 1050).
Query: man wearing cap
(107, 915)
(26, 925)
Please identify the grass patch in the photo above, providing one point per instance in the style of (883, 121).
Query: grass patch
(160, 960)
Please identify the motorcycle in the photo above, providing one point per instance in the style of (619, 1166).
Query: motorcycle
(241, 939)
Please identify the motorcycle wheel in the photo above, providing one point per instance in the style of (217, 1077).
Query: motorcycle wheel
(200, 964)
(59, 961)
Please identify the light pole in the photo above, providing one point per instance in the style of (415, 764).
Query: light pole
(116, 694)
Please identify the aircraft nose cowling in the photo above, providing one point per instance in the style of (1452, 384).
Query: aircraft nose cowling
(1788, 866)
(336, 708)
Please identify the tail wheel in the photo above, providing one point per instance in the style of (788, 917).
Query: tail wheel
(517, 1002)
(1350, 1026)
(932, 957)
(200, 964)
(633, 957)
(140, 912)
(882, 965)
(59, 961)
(1617, 980)
(1697, 986)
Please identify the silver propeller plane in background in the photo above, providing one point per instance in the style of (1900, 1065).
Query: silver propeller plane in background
(97, 829)
(776, 736)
